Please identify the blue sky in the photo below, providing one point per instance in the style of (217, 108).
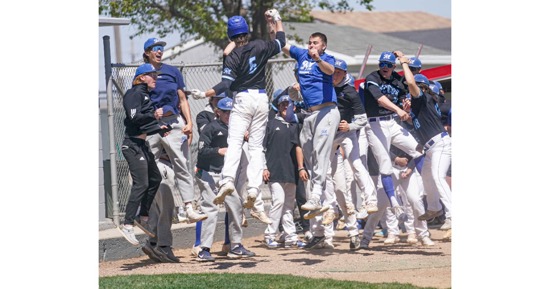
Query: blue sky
(131, 50)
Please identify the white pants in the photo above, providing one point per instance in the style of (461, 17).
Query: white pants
(249, 113)
(176, 146)
(382, 134)
(434, 171)
(336, 182)
(350, 146)
(207, 184)
(283, 197)
(316, 138)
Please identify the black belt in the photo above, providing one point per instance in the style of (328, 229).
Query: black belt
(387, 117)
(431, 141)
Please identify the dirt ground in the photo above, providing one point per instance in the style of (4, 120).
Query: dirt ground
(416, 264)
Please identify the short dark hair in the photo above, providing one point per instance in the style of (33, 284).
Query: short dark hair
(320, 35)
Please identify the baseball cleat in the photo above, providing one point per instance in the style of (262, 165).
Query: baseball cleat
(225, 190)
(313, 213)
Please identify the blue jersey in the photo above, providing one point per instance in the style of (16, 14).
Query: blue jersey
(165, 94)
(315, 85)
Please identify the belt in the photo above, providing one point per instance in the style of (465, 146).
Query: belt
(319, 106)
(434, 139)
(378, 118)
(254, 90)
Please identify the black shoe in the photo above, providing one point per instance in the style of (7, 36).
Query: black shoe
(240, 252)
(316, 241)
(148, 250)
(165, 254)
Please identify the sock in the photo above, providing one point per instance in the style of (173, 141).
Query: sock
(227, 241)
(181, 210)
(387, 183)
(419, 162)
(393, 201)
(198, 229)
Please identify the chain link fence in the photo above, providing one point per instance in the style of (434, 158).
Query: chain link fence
(279, 74)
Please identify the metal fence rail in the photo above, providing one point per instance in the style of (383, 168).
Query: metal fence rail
(279, 74)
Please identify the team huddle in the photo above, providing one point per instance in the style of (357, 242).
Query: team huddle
(319, 144)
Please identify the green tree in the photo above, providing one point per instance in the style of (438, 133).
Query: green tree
(208, 18)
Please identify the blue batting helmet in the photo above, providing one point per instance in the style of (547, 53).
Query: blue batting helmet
(387, 56)
(236, 25)
(420, 78)
(415, 62)
(341, 64)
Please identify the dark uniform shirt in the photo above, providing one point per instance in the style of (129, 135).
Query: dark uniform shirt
(245, 65)
(376, 86)
(349, 103)
(213, 137)
(426, 117)
(280, 141)
(204, 117)
(140, 113)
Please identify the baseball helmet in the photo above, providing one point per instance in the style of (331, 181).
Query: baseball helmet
(225, 103)
(415, 62)
(283, 98)
(341, 64)
(144, 68)
(152, 42)
(387, 56)
(420, 78)
(236, 25)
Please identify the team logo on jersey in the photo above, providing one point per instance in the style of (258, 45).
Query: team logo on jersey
(277, 128)
(305, 68)
(220, 133)
(133, 112)
(227, 71)
(388, 89)
(324, 132)
(146, 98)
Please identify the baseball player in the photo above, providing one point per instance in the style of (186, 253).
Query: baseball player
(384, 90)
(426, 118)
(142, 119)
(244, 72)
(169, 94)
(319, 128)
(284, 166)
(352, 119)
(210, 162)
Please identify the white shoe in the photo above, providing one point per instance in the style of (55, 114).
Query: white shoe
(328, 244)
(363, 214)
(372, 208)
(391, 239)
(426, 241)
(311, 205)
(128, 233)
(262, 216)
(224, 190)
(193, 216)
(446, 225)
(328, 217)
(412, 239)
(308, 236)
(250, 200)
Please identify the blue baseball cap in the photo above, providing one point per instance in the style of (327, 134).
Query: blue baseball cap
(420, 78)
(283, 98)
(144, 68)
(236, 25)
(225, 103)
(153, 42)
(387, 56)
(340, 64)
(415, 62)
(436, 87)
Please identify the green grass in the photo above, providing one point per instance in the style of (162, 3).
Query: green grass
(237, 281)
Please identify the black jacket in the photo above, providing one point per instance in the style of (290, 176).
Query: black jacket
(140, 113)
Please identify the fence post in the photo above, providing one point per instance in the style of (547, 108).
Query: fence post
(110, 118)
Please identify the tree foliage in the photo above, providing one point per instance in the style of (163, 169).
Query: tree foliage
(208, 18)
